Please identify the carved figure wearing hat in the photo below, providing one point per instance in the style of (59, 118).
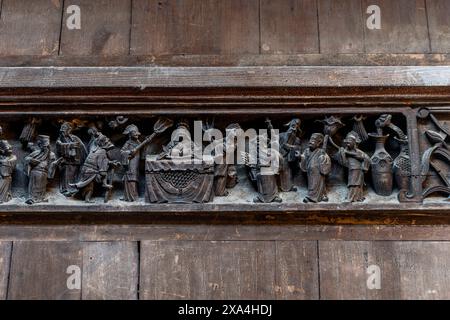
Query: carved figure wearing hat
(357, 163)
(317, 164)
(130, 160)
(95, 169)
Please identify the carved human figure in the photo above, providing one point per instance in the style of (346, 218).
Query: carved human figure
(357, 163)
(289, 151)
(317, 164)
(37, 165)
(95, 168)
(130, 160)
(7, 166)
(71, 153)
(225, 175)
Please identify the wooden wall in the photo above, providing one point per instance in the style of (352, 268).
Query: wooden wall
(224, 262)
(231, 32)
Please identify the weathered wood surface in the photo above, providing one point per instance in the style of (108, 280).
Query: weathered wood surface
(194, 27)
(105, 29)
(110, 271)
(223, 232)
(403, 27)
(38, 270)
(30, 27)
(341, 26)
(231, 60)
(409, 270)
(289, 26)
(5, 261)
(297, 274)
(439, 24)
(234, 77)
(207, 270)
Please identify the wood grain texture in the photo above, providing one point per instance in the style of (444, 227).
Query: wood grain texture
(289, 26)
(207, 270)
(105, 28)
(5, 260)
(231, 77)
(409, 270)
(30, 27)
(38, 270)
(222, 232)
(439, 24)
(110, 271)
(403, 27)
(195, 27)
(296, 270)
(341, 26)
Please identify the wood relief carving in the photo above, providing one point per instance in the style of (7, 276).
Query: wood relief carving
(149, 161)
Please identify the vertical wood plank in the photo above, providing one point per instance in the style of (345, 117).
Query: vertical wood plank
(207, 270)
(341, 26)
(110, 271)
(297, 270)
(30, 27)
(194, 27)
(439, 24)
(289, 26)
(409, 270)
(5, 256)
(105, 28)
(403, 27)
(38, 270)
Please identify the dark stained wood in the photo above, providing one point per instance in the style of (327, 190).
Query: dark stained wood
(289, 26)
(409, 270)
(110, 271)
(5, 260)
(341, 26)
(30, 27)
(207, 270)
(38, 270)
(223, 232)
(297, 270)
(105, 28)
(194, 27)
(403, 27)
(232, 60)
(223, 77)
(439, 24)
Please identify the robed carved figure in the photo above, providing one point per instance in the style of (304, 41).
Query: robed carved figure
(95, 169)
(317, 164)
(357, 163)
(39, 166)
(7, 166)
(130, 160)
(71, 153)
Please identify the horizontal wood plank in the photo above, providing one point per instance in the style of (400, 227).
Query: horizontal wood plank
(222, 232)
(210, 77)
